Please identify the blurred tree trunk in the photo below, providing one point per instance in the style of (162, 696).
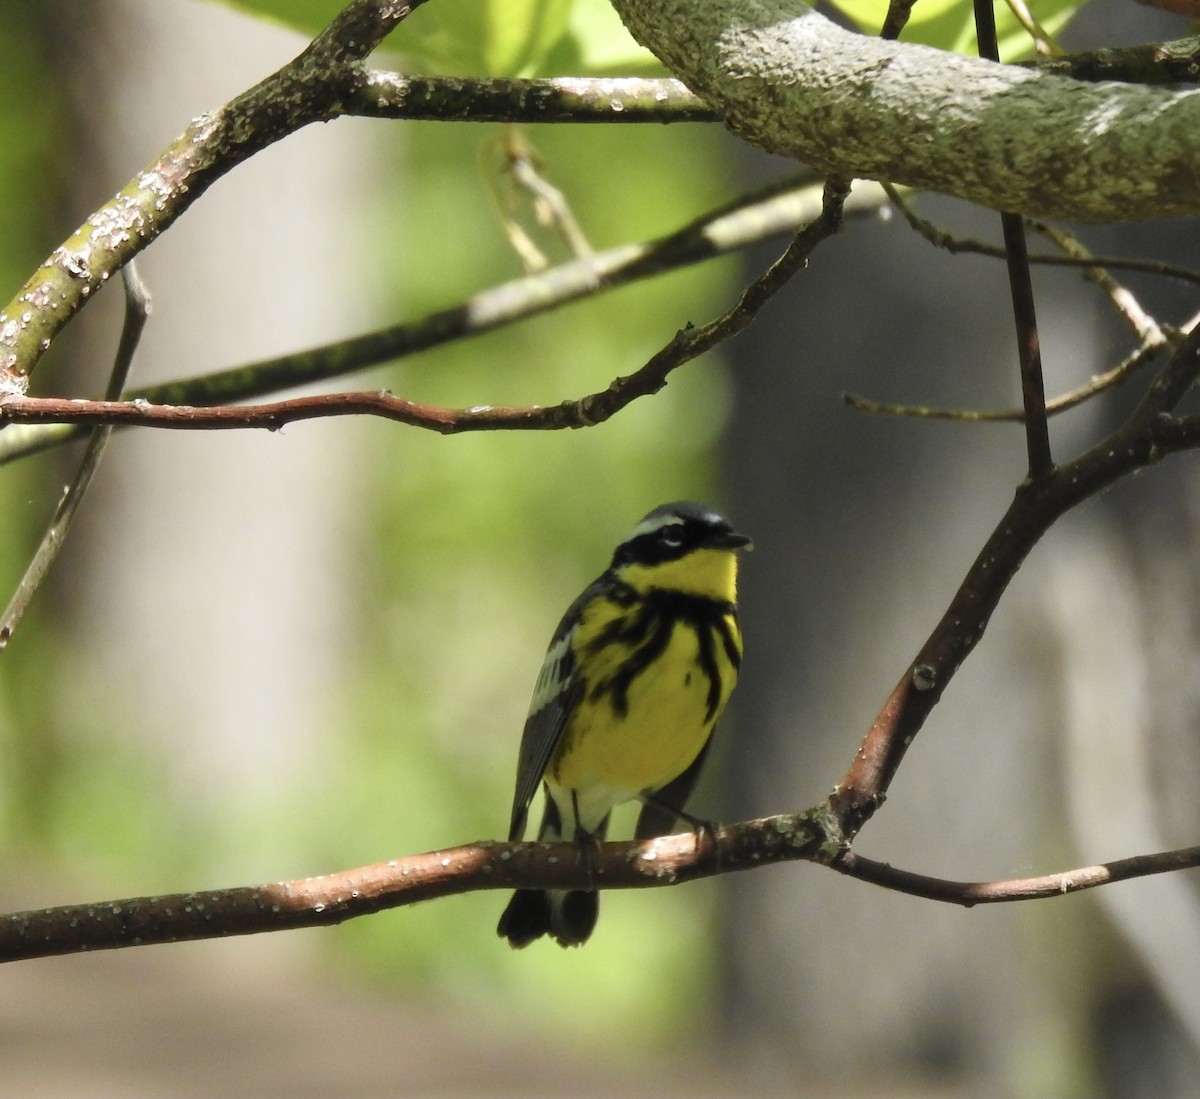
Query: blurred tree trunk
(201, 587)
(864, 528)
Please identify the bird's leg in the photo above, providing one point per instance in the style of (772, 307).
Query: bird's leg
(587, 841)
(698, 826)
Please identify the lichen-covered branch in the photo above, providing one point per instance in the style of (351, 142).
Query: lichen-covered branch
(552, 99)
(1007, 137)
(308, 89)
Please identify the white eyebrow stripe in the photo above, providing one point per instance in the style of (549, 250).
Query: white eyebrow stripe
(649, 526)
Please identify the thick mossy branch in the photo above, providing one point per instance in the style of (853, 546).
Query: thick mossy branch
(1006, 137)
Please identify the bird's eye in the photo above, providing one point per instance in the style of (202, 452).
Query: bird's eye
(672, 535)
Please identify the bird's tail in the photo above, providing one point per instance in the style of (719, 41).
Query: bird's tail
(568, 917)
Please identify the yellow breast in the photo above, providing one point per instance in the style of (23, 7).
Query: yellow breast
(658, 675)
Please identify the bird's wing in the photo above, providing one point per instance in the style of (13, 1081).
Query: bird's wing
(557, 693)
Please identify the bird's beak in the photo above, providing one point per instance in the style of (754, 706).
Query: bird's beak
(732, 540)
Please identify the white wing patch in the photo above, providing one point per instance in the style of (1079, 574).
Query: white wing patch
(555, 669)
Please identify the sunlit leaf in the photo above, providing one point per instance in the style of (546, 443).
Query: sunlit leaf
(950, 24)
(597, 43)
(461, 37)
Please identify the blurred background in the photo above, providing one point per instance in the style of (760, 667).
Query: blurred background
(269, 656)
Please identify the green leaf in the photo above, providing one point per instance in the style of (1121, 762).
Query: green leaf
(485, 37)
(950, 24)
(597, 43)
(459, 37)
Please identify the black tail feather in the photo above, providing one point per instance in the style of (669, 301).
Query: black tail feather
(568, 918)
(573, 916)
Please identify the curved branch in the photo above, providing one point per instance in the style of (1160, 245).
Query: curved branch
(788, 80)
(334, 898)
(1150, 432)
(310, 88)
(687, 345)
(971, 893)
(36, 423)
(137, 312)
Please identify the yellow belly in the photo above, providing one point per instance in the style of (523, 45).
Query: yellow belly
(608, 756)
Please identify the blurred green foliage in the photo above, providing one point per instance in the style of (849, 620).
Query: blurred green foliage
(483, 540)
(471, 550)
(31, 121)
(492, 37)
(950, 24)
(550, 37)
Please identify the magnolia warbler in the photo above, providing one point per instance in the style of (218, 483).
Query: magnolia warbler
(636, 675)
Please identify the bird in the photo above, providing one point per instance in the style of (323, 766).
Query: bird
(630, 690)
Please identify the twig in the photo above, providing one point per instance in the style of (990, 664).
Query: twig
(897, 17)
(1059, 884)
(691, 342)
(1149, 433)
(1152, 336)
(1029, 345)
(953, 244)
(1043, 41)
(276, 414)
(137, 309)
(1175, 62)
(1100, 383)
(1123, 300)
(1020, 283)
(521, 169)
(187, 403)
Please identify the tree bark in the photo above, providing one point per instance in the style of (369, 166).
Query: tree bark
(1011, 138)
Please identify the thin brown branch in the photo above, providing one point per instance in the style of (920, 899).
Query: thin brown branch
(334, 898)
(1149, 433)
(137, 309)
(587, 411)
(309, 89)
(781, 208)
(273, 415)
(1100, 383)
(1059, 884)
